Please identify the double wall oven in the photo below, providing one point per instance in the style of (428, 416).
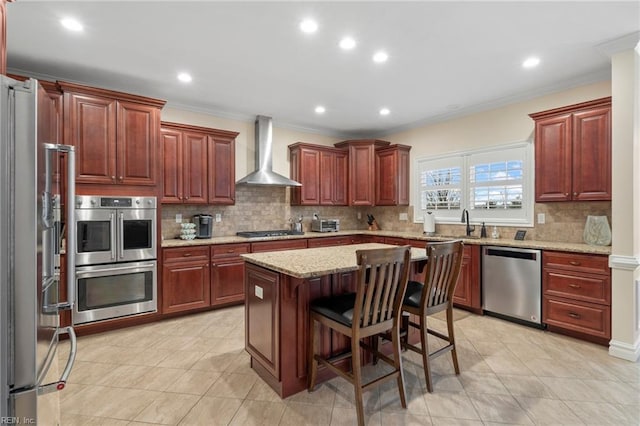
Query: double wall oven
(115, 255)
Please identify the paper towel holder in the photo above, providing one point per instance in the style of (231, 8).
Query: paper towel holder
(429, 224)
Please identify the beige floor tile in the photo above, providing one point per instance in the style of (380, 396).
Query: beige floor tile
(529, 386)
(632, 412)
(214, 362)
(614, 392)
(298, 414)
(558, 368)
(145, 356)
(548, 411)
(102, 401)
(507, 364)
(571, 389)
(324, 393)
(263, 392)
(349, 417)
(175, 342)
(212, 411)
(259, 413)
(482, 383)
(68, 419)
(499, 408)
(168, 408)
(232, 385)
(451, 404)
(403, 419)
(194, 382)
(447, 421)
(90, 373)
(181, 359)
(593, 413)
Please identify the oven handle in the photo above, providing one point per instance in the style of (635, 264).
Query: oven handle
(140, 266)
(121, 234)
(112, 218)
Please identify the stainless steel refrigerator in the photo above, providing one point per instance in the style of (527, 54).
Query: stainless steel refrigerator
(36, 185)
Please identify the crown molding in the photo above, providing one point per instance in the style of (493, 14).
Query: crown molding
(626, 42)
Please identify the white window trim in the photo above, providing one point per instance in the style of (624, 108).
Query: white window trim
(475, 215)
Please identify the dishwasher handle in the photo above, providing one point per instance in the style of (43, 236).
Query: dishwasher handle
(514, 254)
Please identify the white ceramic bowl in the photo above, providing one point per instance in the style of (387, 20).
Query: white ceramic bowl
(187, 236)
(188, 232)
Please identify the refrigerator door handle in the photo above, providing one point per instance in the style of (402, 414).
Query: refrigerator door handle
(62, 382)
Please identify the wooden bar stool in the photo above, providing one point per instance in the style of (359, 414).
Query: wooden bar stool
(435, 295)
(381, 282)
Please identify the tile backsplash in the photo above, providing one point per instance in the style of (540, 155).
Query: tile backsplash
(267, 207)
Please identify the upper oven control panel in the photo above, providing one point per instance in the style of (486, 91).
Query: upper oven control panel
(99, 202)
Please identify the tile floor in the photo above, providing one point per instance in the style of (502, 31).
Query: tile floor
(194, 371)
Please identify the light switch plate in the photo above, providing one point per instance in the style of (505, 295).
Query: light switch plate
(541, 218)
(178, 218)
(258, 291)
(218, 217)
(404, 216)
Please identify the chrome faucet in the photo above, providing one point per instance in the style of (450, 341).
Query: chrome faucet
(465, 219)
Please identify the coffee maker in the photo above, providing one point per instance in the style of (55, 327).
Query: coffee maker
(204, 225)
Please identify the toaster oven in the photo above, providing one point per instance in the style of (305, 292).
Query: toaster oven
(325, 225)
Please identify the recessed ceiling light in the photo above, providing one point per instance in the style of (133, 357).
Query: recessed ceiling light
(384, 111)
(347, 43)
(71, 24)
(308, 26)
(531, 62)
(185, 77)
(320, 109)
(380, 56)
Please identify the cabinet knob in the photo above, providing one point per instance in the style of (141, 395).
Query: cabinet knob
(113, 178)
(186, 198)
(120, 178)
(575, 193)
(566, 194)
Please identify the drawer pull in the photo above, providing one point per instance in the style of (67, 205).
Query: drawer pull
(574, 263)
(186, 254)
(231, 251)
(574, 315)
(574, 286)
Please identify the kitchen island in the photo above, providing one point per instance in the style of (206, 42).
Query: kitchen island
(279, 287)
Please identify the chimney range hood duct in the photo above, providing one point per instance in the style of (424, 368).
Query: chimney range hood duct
(264, 161)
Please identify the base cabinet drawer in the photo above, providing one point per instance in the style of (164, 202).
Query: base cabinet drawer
(594, 288)
(586, 318)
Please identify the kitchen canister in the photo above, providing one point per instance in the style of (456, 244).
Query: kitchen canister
(597, 231)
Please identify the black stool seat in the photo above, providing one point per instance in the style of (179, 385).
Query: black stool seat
(338, 308)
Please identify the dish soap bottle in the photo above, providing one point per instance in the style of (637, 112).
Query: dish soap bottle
(483, 231)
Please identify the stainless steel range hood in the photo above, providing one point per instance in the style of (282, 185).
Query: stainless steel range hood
(264, 161)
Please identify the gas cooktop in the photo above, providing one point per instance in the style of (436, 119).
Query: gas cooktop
(272, 233)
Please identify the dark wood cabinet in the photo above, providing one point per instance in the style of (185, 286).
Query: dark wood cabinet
(227, 273)
(362, 176)
(467, 292)
(573, 152)
(116, 135)
(198, 165)
(277, 245)
(322, 171)
(184, 160)
(222, 167)
(185, 279)
(392, 176)
(333, 241)
(577, 294)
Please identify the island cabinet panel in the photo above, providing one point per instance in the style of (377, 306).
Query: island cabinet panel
(185, 279)
(116, 135)
(227, 273)
(573, 152)
(576, 292)
(278, 245)
(262, 318)
(467, 292)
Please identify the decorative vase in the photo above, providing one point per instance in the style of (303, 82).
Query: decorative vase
(597, 231)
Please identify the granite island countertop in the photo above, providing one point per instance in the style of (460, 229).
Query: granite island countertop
(317, 262)
(503, 242)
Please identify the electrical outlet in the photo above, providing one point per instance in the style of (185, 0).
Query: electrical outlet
(178, 218)
(541, 218)
(258, 292)
(404, 216)
(359, 215)
(218, 217)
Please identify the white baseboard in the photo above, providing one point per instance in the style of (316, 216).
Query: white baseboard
(625, 350)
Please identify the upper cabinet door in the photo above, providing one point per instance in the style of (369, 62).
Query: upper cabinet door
(90, 126)
(592, 154)
(361, 175)
(138, 127)
(553, 158)
(172, 151)
(222, 168)
(195, 168)
(340, 176)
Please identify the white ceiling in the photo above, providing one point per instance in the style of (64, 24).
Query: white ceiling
(248, 58)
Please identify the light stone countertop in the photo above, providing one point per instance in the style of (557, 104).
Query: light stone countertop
(504, 242)
(317, 262)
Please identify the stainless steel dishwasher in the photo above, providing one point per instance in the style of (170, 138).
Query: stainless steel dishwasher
(511, 283)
